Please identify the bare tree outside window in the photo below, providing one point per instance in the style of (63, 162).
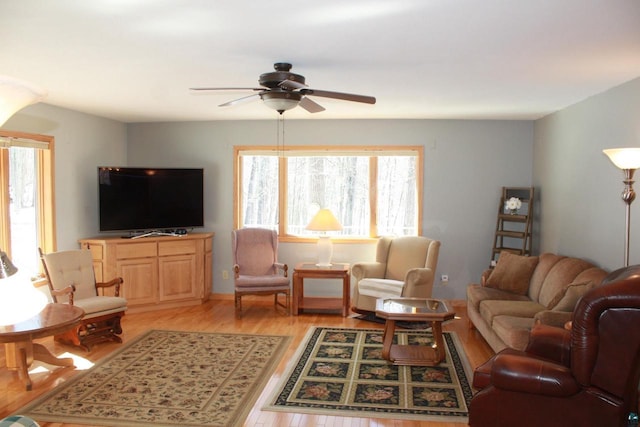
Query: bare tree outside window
(22, 210)
(397, 188)
(260, 191)
(27, 216)
(339, 183)
(354, 183)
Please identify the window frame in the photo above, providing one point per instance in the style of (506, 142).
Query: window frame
(46, 232)
(284, 152)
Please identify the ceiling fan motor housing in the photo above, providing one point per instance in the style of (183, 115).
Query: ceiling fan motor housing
(274, 78)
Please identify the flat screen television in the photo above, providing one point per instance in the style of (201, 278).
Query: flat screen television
(145, 199)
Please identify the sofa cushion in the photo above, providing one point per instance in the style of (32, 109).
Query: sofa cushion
(546, 261)
(561, 274)
(568, 297)
(489, 309)
(513, 330)
(512, 273)
(476, 294)
(100, 305)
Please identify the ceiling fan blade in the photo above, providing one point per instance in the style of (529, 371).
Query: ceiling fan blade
(240, 100)
(310, 106)
(290, 84)
(211, 89)
(339, 95)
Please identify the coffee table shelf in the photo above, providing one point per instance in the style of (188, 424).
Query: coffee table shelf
(413, 310)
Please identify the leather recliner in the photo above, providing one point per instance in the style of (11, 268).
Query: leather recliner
(586, 375)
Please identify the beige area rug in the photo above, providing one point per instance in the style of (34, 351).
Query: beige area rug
(340, 372)
(168, 378)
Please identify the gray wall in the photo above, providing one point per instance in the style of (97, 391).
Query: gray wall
(580, 210)
(82, 143)
(466, 164)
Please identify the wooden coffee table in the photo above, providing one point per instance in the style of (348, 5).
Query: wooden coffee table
(21, 351)
(413, 310)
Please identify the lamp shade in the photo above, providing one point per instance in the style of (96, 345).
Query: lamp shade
(6, 266)
(324, 220)
(624, 158)
(19, 300)
(16, 94)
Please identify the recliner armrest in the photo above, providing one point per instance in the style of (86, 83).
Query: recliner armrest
(363, 270)
(415, 279)
(551, 343)
(522, 373)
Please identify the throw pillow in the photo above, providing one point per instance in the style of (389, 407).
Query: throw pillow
(567, 297)
(512, 273)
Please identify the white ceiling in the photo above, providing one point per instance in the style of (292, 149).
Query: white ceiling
(134, 60)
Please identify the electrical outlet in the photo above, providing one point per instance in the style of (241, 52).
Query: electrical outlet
(225, 274)
(444, 279)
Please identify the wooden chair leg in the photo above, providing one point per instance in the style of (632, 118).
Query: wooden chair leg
(238, 304)
(288, 295)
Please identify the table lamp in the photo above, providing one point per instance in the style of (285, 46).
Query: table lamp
(324, 221)
(19, 300)
(627, 159)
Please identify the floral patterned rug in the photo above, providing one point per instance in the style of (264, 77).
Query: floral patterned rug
(339, 371)
(168, 378)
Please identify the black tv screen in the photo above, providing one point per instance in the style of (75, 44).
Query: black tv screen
(139, 199)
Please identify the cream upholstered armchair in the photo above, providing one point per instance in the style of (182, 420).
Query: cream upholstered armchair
(404, 267)
(72, 280)
(256, 269)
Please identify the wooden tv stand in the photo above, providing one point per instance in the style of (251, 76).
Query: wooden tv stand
(158, 271)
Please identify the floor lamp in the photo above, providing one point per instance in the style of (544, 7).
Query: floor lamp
(16, 94)
(627, 159)
(324, 221)
(19, 300)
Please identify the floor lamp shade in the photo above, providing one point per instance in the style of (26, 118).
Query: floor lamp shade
(324, 221)
(19, 300)
(16, 94)
(628, 160)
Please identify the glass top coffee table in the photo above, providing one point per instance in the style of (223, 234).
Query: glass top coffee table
(413, 310)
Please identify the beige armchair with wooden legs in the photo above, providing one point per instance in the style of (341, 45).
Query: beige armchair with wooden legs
(72, 280)
(404, 267)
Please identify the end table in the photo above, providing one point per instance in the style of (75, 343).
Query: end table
(312, 271)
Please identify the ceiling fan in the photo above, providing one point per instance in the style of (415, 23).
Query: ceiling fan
(283, 90)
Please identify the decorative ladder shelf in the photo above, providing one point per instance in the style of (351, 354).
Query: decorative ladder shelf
(513, 230)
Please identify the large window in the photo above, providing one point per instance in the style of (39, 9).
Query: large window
(372, 191)
(26, 198)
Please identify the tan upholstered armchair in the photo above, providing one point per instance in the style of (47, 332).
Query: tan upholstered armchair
(256, 269)
(404, 266)
(72, 280)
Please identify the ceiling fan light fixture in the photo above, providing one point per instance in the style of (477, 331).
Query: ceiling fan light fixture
(280, 101)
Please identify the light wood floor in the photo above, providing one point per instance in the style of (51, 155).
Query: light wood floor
(218, 316)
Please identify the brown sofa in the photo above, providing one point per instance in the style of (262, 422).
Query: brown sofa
(587, 376)
(522, 290)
